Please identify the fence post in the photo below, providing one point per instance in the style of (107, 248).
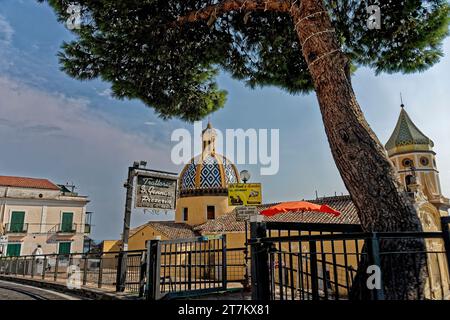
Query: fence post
(314, 270)
(16, 271)
(142, 271)
(373, 251)
(100, 271)
(44, 267)
(33, 266)
(153, 270)
(446, 237)
(85, 267)
(260, 260)
(224, 262)
(24, 270)
(56, 267)
(190, 269)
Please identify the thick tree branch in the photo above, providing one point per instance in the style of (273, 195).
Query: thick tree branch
(234, 5)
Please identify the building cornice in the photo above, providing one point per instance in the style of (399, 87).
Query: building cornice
(42, 202)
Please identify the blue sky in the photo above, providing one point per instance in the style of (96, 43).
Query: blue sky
(59, 128)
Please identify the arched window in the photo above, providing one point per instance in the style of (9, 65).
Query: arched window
(409, 179)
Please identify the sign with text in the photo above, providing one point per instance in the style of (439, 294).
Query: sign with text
(244, 194)
(244, 213)
(156, 190)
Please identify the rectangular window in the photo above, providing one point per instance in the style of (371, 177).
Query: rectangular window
(67, 222)
(17, 221)
(211, 212)
(64, 247)
(13, 249)
(185, 214)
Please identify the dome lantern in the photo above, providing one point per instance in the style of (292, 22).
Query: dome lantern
(208, 173)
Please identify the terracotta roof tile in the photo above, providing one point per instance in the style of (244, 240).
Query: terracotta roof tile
(170, 229)
(22, 182)
(343, 204)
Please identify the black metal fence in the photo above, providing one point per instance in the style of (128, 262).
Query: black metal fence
(296, 261)
(181, 268)
(99, 270)
(177, 268)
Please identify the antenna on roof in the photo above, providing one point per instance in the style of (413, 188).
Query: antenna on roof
(317, 196)
(401, 101)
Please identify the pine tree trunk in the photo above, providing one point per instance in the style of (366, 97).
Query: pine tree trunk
(360, 158)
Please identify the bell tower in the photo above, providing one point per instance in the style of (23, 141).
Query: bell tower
(411, 152)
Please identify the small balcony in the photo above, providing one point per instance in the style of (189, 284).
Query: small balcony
(87, 228)
(68, 228)
(16, 228)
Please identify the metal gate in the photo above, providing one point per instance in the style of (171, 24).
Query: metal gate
(297, 261)
(186, 267)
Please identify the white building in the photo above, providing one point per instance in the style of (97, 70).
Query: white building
(38, 212)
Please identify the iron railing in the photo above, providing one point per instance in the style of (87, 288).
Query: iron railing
(97, 270)
(43, 228)
(186, 267)
(296, 261)
(67, 228)
(16, 227)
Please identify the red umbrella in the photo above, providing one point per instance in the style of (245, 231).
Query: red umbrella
(298, 206)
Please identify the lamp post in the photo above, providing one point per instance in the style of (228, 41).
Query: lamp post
(245, 176)
(122, 259)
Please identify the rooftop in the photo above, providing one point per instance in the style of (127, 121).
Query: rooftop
(344, 204)
(23, 182)
(170, 229)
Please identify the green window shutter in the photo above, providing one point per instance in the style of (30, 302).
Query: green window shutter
(13, 249)
(67, 221)
(64, 247)
(17, 220)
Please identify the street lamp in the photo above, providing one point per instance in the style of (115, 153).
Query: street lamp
(244, 175)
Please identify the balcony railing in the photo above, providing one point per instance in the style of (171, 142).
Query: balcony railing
(87, 228)
(67, 228)
(16, 227)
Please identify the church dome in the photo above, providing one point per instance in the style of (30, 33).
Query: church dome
(208, 173)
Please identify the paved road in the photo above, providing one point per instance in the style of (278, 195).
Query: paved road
(15, 291)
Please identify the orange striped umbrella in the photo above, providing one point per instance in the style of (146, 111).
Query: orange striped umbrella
(298, 206)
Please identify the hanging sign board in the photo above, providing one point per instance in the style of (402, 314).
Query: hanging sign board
(244, 213)
(244, 194)
(155, 190)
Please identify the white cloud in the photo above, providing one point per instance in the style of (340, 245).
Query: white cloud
(6, 31)
(65, 139)
(105, 93)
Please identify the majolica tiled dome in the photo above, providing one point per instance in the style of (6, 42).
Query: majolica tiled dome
(208, 173)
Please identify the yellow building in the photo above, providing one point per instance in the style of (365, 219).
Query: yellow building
(36, 212)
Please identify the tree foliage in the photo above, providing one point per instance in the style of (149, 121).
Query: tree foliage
(138, 46)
